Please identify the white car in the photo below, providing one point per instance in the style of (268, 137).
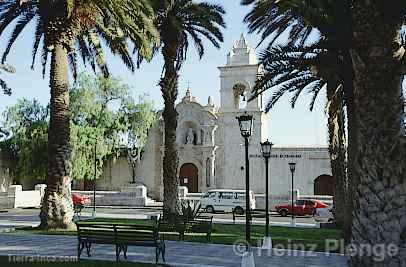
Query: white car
(226, 200)
(324, 215)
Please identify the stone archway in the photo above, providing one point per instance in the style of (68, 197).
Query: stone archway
(240, 98)
(189, 177)
(324, 185)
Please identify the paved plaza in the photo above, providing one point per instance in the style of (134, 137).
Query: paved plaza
(29, 217)
(177, 253)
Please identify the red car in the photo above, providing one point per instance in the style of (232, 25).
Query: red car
(301, 207)
(80, 200)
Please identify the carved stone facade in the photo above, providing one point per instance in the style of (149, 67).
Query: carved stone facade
(211, 154)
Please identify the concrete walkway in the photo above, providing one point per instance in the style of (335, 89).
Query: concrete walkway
(17, 220)
(177, 253)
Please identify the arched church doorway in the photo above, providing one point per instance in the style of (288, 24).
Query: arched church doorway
(188, 176)
(324, 185)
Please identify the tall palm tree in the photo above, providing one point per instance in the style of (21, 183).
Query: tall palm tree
(378, 54)
(305, 63)
(3, 84)
(378, 168)
(67, 29)
(300, 70)
(178, 22)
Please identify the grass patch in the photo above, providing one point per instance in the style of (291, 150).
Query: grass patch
(19, 261)
(282, 237)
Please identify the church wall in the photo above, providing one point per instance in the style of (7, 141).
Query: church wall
(117, 174)
(311, 163)
(5, 176)
(149, 170)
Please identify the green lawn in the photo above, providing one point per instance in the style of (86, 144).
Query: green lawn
(282, 237)
(16, 262)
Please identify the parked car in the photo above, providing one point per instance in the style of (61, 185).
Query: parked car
(226, 200)
(319, 204)
(324, 215)
(301, 207)
(79, 199)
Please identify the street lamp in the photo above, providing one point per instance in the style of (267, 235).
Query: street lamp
(94, 179)
(292, 167)
(245, 122)
(266, 148)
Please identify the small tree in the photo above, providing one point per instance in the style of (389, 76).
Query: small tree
(26, 141)
(105, 115)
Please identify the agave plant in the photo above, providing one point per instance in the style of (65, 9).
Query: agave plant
(190, 210)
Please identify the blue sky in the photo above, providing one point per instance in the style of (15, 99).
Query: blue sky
(286, 126)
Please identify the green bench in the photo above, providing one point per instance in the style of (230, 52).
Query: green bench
(172, 226)
(120, 235)
(77, 211)
(201, 224)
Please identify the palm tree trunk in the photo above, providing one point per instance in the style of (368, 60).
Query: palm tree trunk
(379, 217)
(169, 88)
(337, 140)
(56, 210)
(352, 128)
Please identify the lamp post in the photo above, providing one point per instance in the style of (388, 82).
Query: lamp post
(245, 122)
(266, 148)
(94, 179)
(292, 167)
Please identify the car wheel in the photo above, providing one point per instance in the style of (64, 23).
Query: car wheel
(283, 213)
(210, 209)
(239, 210)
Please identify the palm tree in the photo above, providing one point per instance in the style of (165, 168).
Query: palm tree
(378, 175)
(298, 70)
(67, 29)
(178, 22)
(378, 54)
(299, 66)
(3, 84)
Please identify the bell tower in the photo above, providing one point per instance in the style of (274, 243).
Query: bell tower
(237, 79)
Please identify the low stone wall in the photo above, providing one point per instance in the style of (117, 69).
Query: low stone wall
(17, 198)
(108, 198)
(133, 196)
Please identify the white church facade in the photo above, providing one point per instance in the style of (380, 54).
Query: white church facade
(211, 154)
